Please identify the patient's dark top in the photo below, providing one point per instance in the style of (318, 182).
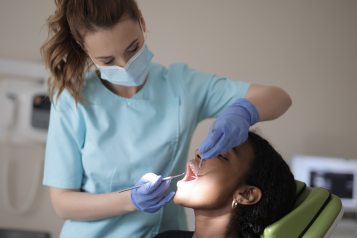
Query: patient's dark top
(175, 234)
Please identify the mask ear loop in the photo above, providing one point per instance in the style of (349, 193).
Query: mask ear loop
(85, 49)
(144, 32)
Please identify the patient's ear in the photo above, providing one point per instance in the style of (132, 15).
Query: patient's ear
(248, 195)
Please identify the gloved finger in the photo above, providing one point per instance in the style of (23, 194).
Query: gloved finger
(209, 132)
(166, 199)
(218, 148)
(146, 178)
(169, 196)
(154, 182)
(210, 141)
(161, 190)
(162, 203)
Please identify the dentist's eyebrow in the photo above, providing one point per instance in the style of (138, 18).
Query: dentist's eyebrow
(132, 43)
(107, 57)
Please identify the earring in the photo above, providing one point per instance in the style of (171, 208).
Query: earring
(234, 203)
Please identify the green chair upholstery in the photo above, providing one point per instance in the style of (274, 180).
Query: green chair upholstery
(315, 215)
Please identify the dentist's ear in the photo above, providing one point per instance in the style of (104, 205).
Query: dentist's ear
(84, 49)
(248, 195)
(142, 20)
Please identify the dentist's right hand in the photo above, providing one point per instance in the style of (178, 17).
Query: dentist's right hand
(152, 196)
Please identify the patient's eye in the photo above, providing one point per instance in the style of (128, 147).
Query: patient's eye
(222, 157)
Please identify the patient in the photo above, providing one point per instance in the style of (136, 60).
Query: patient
(238, 193)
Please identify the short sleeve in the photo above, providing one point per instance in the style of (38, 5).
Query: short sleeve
(210, 93)
(63, 163)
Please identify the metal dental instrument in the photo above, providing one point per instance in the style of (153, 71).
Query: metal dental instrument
(164, 179)
(200, 165)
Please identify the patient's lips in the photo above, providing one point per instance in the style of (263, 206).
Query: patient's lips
(191, 171)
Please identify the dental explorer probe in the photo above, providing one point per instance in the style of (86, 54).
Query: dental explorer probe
(164, 179)
(200, 165)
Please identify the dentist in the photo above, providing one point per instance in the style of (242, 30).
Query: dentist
(130, 121)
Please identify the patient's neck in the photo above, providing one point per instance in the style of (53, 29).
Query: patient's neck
(215, 223)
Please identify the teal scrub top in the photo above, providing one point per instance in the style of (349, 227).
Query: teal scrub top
(109, 142)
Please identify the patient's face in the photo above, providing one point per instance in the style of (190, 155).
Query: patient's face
(217, 180)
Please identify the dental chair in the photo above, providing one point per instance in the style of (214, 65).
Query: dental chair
(316, 213)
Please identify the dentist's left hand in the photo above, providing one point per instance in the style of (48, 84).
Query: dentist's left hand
(152, 196)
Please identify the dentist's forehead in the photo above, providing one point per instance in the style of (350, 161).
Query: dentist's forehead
(106, 42)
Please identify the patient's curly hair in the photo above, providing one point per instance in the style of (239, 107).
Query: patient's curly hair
(270, 173)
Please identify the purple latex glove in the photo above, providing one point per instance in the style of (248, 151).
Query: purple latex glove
(152, 196)
(231, 129)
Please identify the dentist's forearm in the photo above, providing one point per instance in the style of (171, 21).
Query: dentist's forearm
(71, 204)
(271, 102)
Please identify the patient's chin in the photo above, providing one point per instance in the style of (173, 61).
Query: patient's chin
(179, 199)
(182, 199)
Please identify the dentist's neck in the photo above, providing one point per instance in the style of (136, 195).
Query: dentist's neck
(215, 224)
(122, 91)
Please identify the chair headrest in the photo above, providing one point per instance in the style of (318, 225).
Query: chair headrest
(309, 204)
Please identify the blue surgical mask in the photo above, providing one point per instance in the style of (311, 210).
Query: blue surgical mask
(135, 71)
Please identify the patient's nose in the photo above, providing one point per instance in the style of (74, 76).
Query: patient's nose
(198, 155)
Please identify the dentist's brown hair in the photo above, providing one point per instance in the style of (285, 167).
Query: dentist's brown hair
(63, 51)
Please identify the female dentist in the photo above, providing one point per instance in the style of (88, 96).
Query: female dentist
(130, 121)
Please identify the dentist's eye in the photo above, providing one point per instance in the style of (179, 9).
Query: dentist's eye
(222, 157)
(136, 48)
(109, 61)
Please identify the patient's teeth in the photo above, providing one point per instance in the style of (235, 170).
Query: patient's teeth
(192, 168)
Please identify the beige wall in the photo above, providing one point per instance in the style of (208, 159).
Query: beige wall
(309, 48)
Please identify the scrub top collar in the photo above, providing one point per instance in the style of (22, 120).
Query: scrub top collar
(136, 96)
